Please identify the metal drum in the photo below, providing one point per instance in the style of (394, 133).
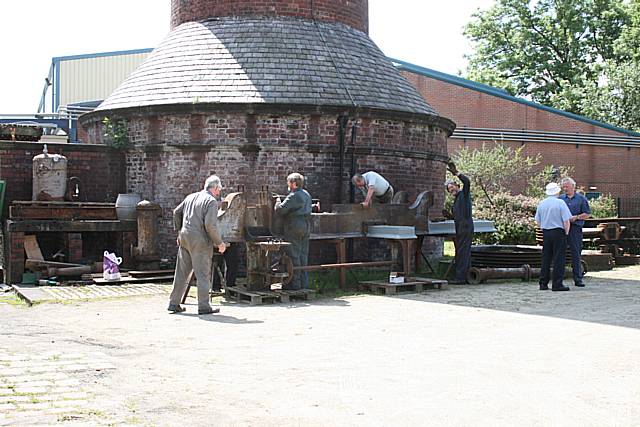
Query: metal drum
(126, 205)
(49, 176)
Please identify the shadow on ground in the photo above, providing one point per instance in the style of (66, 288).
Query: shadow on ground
(609, 298)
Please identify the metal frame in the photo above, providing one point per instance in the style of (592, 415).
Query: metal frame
(3, 186)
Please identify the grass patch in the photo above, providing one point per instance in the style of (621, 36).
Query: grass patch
(11, 298)
(449, 249)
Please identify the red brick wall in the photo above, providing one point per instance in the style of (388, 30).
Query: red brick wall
(354, 13)
(612, 170)
(176, 152)
(100, 169)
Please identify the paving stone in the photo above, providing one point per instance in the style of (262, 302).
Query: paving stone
(11, 357)
(30, 390)
(33, 406)
(6, 372)
(31, 384)
(67, 382)
(12, 398)
(43, 368)
(69, 403)
(73, 367)
(74, 395)
(60, 390)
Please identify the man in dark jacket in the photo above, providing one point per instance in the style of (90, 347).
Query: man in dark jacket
(295, 211)
(463, 220)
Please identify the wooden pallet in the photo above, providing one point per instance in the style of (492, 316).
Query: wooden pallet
(242, 295)
(413, 285)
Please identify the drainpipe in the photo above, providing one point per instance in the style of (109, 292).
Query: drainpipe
(343, 121)
(354, 131)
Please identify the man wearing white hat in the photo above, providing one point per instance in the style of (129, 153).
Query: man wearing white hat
(553, 217)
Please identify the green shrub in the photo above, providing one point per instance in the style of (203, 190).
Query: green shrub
(603, 207)
(513, 217)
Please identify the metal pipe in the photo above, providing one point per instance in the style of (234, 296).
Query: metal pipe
(480, 275)
(68, 271)
(354, 130)
(343, 121)
(535, 272)
(343, 265)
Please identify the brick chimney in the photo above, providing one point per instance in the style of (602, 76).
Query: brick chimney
(353, 13)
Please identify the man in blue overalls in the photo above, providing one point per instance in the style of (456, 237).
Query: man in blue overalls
(579, 207)
(463, 220)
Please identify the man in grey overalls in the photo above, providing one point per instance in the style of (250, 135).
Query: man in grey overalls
(295, 211)
(196, 219)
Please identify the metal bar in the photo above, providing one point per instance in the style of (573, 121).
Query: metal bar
(343, 265)
(541, 136)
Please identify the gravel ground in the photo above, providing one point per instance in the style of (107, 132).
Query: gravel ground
(498, 355)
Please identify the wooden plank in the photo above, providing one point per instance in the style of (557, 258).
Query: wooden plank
(63, 212)
(55, 203)
(40, 225)
(32, 249)
(164, 278)
(143, 273)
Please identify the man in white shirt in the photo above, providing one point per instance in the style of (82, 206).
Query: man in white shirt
(374, 188)
(553, 217)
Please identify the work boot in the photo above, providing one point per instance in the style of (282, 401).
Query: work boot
(208, 310)
(544, 287)
(561, 288)
(175, 308)
(580, 285)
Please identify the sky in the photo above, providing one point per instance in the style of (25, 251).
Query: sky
(424, 32)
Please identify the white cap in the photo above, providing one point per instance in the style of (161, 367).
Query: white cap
(552, 189)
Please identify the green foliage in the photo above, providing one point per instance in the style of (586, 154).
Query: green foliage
(115, 131)
(616, 100)
(603, 207)
(513, 219)
(537, 182)
(577, 55)
(494, 168)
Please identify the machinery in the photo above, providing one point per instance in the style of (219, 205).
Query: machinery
(248, 218)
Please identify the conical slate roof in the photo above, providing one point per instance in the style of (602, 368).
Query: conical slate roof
(268, 60)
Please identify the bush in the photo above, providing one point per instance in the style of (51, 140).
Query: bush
(513, 217)
(603, 207)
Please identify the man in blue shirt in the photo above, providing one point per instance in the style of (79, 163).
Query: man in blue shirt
(553, 217)
(580, 210)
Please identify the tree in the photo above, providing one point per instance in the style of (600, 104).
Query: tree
(617, 99)
(546, 50)
(493, 169)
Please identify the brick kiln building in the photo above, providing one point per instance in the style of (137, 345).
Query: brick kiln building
(253, 91)
(603, 156)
